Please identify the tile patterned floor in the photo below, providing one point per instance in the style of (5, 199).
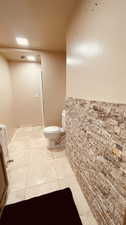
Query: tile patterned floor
(36, 171)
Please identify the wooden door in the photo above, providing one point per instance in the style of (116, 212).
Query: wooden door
(3, 181)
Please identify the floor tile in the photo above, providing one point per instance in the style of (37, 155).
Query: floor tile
(17, 178)
(63, 168)
(88, 220)
(37, 154)
(15, 196)
(41, 189)
(58, 154)
(41, 172)
(18, 159)
(83, 220)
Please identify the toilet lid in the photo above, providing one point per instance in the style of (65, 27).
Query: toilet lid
(51, 129)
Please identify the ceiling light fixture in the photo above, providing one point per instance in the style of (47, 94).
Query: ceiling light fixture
(22, 41)
(31, 58)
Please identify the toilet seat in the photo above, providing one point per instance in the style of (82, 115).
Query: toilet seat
(52, 129)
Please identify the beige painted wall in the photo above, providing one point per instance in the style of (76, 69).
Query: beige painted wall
(96, 56)
(26, 90)
(6, 97)
(54, 86)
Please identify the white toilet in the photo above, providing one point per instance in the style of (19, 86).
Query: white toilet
(54, 134)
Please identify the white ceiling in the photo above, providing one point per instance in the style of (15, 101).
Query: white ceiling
(42, 22)
(16, 55)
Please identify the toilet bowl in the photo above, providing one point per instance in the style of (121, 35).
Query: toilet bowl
(53, 133)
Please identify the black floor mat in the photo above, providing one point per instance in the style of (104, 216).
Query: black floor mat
(56, 208)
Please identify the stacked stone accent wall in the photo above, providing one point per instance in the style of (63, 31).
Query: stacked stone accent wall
(96, 148)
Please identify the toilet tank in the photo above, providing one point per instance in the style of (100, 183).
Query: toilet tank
(63, 119)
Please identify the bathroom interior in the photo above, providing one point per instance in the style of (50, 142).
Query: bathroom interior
(63, 112)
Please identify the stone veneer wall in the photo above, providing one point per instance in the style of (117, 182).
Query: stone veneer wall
(96, 148)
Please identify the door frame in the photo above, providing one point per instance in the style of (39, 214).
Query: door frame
(42, 98)
(4, 195)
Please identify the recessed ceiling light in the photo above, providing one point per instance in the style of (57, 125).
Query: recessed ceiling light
(31, 57)
(22, 41)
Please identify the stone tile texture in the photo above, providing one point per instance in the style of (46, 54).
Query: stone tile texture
(96, 148)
